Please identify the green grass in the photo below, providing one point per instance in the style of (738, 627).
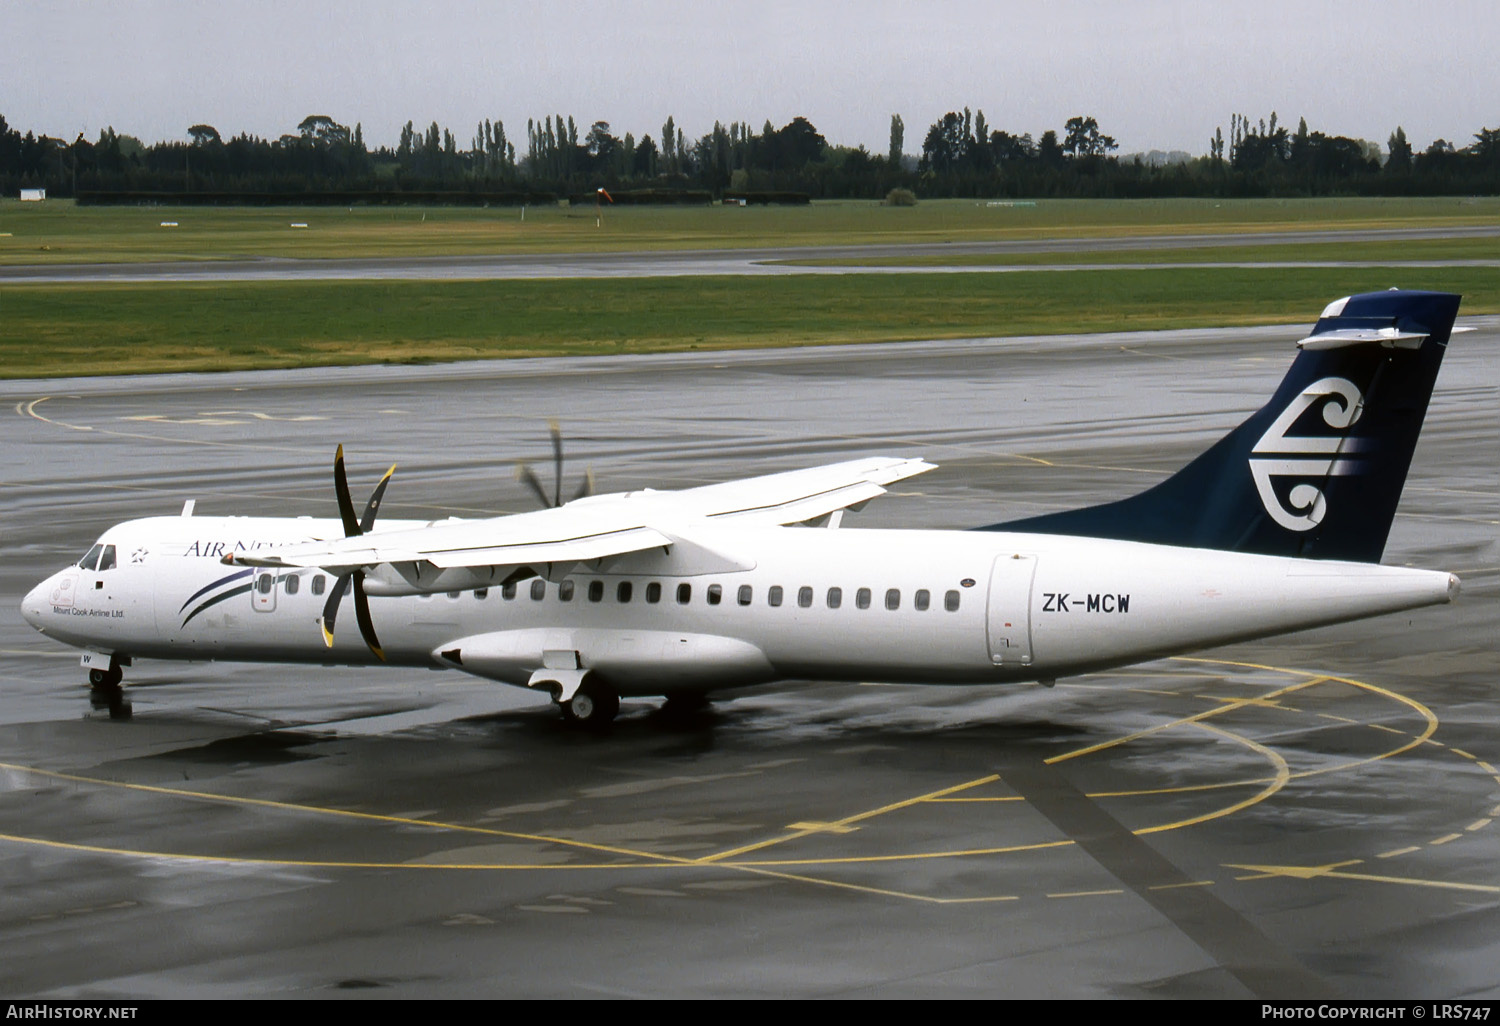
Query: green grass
(62, 330)
(1356, 250)
(57, 231)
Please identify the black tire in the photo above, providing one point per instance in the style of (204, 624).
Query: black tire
(106, 680)
(592, 705)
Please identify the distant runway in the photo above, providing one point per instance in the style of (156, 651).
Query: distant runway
(762, 261)
(262, 831)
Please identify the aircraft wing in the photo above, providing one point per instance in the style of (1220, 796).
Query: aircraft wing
(601, 526)
(796, 496)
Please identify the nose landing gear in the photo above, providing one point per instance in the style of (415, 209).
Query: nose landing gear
(106, 692)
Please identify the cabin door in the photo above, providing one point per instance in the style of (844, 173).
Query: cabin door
(1010, 610)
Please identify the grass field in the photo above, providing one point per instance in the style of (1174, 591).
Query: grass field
(1485, 248)
(50, 331)
(87, 329)
(59, 232)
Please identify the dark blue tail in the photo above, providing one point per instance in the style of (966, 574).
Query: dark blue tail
(1317, 472)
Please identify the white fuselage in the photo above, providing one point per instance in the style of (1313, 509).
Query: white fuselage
(738, 606)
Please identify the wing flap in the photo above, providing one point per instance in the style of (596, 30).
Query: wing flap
(573, 550)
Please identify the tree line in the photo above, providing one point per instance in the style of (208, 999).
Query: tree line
(961, 155)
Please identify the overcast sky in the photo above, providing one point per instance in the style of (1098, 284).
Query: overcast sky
(1157, 74)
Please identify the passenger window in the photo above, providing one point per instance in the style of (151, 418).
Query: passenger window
(481, 593)
(265, 583)
(804, 596)
(746, 594)
(596, 591)
(653, 592)
(90, 560)
(107, 561)
(292, 584)
(862, 598)
(684, 594)
(950, 601)
(622, 593)
(455, 594)
(922, 599)
(538, 589)
(773, 595)
(893, 598)
(319, 583)
(715, 594)
(565, 591)
(508, 590)
(835, 597)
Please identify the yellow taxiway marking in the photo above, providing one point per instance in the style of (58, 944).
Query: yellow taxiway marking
(1283, 774)
(819, 860)
(733, 859)
(1229, 706)
(1445, 839)
(848, 820)
(1176, 886)
(1300, 872)
(1479, 824)
(1266, 703)
(1308, 872)
(883, 892)
(1382, 726)
(1087, 894)
(1466, 755)
(29, 410)
(1399, 851)
(344, 813)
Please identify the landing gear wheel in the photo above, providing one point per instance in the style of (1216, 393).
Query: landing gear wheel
(105, 692)
(106, 680)
(592, 705)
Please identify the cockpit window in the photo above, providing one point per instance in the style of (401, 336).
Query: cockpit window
(107, 561)
(90, 560)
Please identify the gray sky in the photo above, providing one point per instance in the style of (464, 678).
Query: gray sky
(1158, 74)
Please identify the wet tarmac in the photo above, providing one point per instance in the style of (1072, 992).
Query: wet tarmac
(1314, 815)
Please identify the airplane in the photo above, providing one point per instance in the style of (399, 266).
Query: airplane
(1278, 527)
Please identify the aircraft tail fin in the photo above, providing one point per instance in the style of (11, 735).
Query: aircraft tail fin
(1317, 472)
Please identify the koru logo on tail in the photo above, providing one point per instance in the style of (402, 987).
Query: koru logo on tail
(1279, 454)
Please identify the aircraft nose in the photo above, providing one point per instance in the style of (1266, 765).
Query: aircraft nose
(35, 602)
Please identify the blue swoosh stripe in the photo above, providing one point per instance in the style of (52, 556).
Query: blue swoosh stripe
(231, 593)
(210, 587)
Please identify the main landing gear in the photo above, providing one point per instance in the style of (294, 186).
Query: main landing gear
(106, 692)
(592, 705)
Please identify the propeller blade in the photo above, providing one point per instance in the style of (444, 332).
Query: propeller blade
(362, 615)
(331, 608)
(373, 506)
(587, 488)
(341, 490)
(557, 462)
(526, 474)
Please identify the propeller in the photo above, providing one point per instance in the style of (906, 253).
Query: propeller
(352, 529)
(526, 474)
